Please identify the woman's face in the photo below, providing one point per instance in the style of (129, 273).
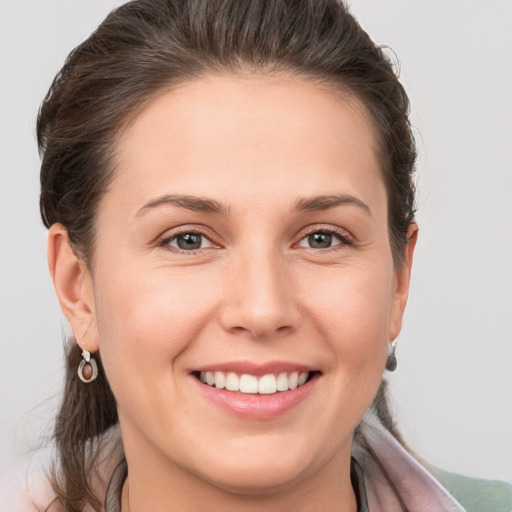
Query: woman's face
(244, 242)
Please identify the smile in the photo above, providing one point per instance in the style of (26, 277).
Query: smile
(268, 384)
(256, 391)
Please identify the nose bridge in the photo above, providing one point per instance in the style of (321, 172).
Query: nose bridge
(260, 298)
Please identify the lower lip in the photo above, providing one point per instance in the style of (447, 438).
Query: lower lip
(256, 406)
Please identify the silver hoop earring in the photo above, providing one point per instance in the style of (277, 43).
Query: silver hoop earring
(88, 369)
(391, 362)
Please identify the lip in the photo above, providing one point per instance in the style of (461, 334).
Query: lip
(256, 369)
(256, 406)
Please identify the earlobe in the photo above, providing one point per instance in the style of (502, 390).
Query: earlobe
(73, 285)
(402, 282)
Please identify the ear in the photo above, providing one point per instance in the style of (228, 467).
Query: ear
(401, 283)
(73, 284)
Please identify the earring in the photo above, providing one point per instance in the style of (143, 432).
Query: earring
(391, 362)
(88, 369)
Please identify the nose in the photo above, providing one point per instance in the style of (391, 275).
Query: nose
(260, 299)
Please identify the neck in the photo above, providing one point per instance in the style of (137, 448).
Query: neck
(133, 501)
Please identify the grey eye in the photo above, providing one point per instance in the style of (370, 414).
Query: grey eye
(320, 240)
(188, 241)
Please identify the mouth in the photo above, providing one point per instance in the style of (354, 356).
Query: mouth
(246, 383)
(256, 391)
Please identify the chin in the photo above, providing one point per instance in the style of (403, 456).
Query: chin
(257, 480)
(262, 468)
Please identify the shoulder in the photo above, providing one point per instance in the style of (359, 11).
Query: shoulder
(392, 471)
(476, 495)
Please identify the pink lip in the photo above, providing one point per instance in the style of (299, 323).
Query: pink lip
(258, 370)
(255, 406)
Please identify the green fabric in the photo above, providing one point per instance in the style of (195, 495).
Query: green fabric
(476, 495)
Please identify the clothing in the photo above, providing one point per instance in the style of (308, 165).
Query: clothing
(423, 488)
(476, 495)
(384, 475)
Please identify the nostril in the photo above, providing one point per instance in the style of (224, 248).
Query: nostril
(260, 332)
(260, 311)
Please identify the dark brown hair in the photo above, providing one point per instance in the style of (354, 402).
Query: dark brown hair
(147, 46)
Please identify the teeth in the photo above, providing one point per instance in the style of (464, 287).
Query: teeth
(267, 385)
(293, 380)
(232, 382)
(246, 383)
(220, 380)
(282, 382)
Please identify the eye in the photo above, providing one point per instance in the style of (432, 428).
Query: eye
(188, 241)
(321, 240)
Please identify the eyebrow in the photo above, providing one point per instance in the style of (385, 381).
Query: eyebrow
(207, 205)
(194, 203)
(325, 202)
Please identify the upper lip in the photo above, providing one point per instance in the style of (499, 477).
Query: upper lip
(257, 369)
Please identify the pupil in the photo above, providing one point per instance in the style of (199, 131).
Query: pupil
(189, 241)
(320, 240)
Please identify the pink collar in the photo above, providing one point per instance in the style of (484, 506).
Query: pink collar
(393, 478)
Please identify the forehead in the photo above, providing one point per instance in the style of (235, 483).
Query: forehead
(218, 134)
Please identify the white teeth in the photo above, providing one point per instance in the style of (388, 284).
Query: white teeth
(293, 380)
(232, 382)
(220, 380)
(267, 385)
(246, 383)
(282, 382)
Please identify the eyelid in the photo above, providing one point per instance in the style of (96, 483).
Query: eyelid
(345, 237)
(171, 234)
(163, 240)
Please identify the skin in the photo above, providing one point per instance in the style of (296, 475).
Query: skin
(256, 291)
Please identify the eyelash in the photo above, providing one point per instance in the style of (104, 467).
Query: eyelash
(345, 239)
(166, 241)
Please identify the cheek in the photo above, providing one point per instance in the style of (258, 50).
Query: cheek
(146, 318)
(351, 310)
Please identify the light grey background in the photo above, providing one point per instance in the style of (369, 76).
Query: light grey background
(453, 389)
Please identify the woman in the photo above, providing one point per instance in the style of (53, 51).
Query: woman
(229, 194)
